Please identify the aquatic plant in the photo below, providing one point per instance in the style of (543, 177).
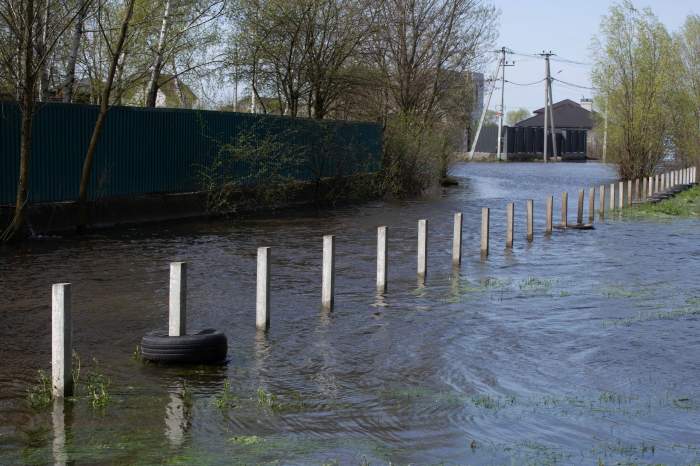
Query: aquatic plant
(246, 440)
(267, 400)
(535, 284)
(40, 395)
(96, 386)
(225, 399)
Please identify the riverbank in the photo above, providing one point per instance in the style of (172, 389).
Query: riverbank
(684, 204)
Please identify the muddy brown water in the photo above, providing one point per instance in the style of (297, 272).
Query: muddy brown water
(573, 349)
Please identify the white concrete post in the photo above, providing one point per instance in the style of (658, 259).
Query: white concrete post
(591, 205)
(328, 276)
(612, 196)
(457, 240)
(530, 220)
(484, 231)
(262, 299)
(601, 202)
(643, 194)
(510, 213)
(177, 325)
(635, 197)
(564, 209)
(422, 249)
(579, 210)
(549, 215)
(61, 341)
(382, 258)
(621, 197)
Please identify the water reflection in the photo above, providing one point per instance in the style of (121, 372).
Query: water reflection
(61, 419)
(178, 414)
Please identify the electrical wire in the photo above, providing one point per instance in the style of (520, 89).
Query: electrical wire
(574, 85)
(526, 84)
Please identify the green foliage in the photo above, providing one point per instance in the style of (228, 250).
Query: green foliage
(685, 204)
(635, 62)
(516, 115)
(226, 398)
(96, 386)
(267, 400)
(40, 394)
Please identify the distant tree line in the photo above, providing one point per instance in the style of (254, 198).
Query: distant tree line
(404, 63)
(648, 83)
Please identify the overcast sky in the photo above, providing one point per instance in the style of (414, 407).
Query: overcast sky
(565, 27)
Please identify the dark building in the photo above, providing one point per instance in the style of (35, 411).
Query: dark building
(567, 115)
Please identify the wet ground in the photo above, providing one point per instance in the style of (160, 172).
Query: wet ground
(575, 349)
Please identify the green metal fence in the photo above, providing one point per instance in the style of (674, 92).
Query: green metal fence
(171, 150)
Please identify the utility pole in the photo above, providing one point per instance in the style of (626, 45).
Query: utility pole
(504, 63)
(548, 107)
(483, 112)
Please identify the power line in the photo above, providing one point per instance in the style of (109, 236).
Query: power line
(575, 85)
(526, 84)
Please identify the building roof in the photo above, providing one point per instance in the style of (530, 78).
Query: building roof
(567, 114)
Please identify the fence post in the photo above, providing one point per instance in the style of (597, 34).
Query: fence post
(262, 297)
(591, 205)
(510, 213)
(530, 219)
(612, 196)
(565, 209)
(601, 202)
(630, 194)
(549, 213)
(643, 194)
(579, 210)
(484, 232)
(177, 322)
(61, 341)
(457, 240)
(328, 275)
(382, 259)
(635, 197)
(422, 249)
(621, 197)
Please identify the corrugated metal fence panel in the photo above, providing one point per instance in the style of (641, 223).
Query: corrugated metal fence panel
(164, 150)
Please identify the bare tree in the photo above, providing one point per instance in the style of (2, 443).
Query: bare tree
(116, 52)
(27, 39)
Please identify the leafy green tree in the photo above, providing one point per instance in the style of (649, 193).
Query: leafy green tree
(516, 115)
(634, 73)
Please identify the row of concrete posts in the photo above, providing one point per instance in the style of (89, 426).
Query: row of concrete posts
(637, 191)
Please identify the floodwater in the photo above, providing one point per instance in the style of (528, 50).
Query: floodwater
(574, 349)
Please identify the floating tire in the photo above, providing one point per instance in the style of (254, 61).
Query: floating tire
(206, 346)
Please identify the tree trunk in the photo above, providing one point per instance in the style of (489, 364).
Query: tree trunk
(101, 117)
(152, 92)
(67, 87)
(41, 51)
(17, 225)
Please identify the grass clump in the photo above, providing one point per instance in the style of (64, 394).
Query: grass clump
(96, 386)
(225, 399)
(246, 440)
(536, 284)
(40, 394)
(267, 400)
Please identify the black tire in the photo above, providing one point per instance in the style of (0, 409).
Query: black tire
(206, 346)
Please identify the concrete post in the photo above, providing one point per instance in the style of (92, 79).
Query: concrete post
(650, 189)
(422, 249)
(629, 193)
(549, 213)
(643, 194)
(601, 202)
(564, 209)
(591, 205)
(484, 232)
(612, 197)
(530, 220)
(177, 322)
(382, 259)
(262, 299)
(328, 276)
(61, 341)
(621, 197)
(579, 210)
(510, 213)
(635, 197)
(457, 240)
